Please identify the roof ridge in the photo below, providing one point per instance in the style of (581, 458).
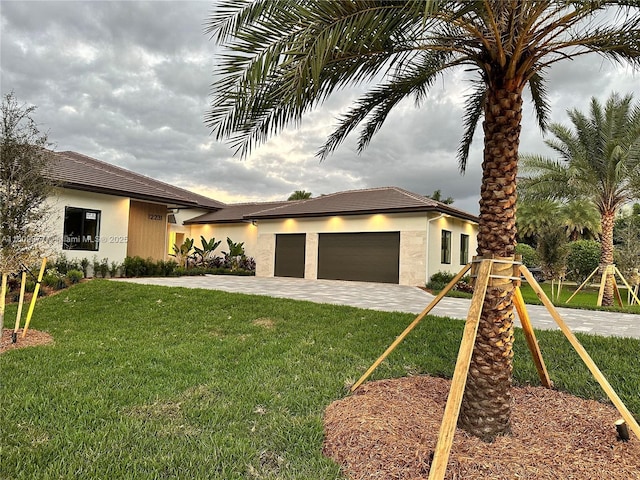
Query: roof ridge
(140, 178)
(123, 172)
(417, 196)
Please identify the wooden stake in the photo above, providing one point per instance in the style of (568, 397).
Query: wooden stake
(459, 381)
(3, 295)
(530, 336)
(632, 291)
(603, 282)
(32, 305)
(616, 291)
(595, 371)
(623, 431)
(23, 281)
(411, 326)
(582, 285)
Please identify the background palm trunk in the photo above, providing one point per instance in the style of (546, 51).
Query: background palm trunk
(486, 406)
(606, 254)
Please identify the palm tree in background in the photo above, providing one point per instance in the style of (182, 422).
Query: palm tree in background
(299, 195)
(578, 218)
(282, 58)
(598, 161)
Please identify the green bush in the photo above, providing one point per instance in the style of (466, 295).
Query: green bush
(84, 265)
(54, 280)
(64, 265)
(530, 257)
(113, 270)
(583, 259)
(74, 276)
(439, 280)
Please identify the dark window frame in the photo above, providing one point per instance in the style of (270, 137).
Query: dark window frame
(464, 249)
(445, 247)
(87, 238)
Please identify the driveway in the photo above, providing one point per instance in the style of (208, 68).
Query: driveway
(395, 298)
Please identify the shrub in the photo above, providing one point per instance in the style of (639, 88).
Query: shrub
(104, 267)
(63, 265)
(74, 276)
(583, 259)
(530, 257)
(54, 280)
(135, 267)
(84, 264)
(439, 280)
(113, 270)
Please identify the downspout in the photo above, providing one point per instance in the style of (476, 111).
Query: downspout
(442, 215)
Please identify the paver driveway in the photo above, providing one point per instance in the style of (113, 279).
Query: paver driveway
(389, 297)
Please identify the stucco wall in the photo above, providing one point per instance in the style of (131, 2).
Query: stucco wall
(114, 215)
(178, 230)
(419, 233)
(456, 227)
(237, 232)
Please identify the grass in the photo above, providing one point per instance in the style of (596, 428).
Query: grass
(586, 298)
(147, 382)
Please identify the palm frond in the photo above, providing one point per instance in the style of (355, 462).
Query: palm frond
(539, 96)
(474, 106)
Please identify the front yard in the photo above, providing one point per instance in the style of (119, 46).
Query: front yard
(152, 382)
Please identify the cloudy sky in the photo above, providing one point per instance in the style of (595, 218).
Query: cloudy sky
(128, 83)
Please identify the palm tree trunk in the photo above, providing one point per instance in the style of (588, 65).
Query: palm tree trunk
(486, 406)
(607, 220)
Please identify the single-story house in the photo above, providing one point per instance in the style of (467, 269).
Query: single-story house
(109, 212)
(378, 234)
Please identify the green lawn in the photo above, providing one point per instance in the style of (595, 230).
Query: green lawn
(586, 298)
(149, 382)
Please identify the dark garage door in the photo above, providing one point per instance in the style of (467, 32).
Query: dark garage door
(290, 255)
(367, 257)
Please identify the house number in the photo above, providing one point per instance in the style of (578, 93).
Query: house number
(155, 217)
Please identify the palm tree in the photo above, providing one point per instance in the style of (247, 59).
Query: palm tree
(599, 161)
(299, 195)
(281, 58)
(579, 218)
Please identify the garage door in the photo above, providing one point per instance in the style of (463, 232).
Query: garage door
(290, 250)
(367, 257)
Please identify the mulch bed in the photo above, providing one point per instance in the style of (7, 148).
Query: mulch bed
(388, 430)
(32, 339)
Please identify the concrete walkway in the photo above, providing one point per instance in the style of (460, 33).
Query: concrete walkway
(392, 298)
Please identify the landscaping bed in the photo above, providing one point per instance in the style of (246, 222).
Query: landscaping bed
(389, 429)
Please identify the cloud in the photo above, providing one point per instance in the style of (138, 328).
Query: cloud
(128, 82)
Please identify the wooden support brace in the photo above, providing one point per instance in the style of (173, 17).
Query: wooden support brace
(530, 336)
(459, 381)
(23, 281)
(582, 285)
(595, 371)
(632, 291)
(411, 326)
(34, 298)
(3, 295)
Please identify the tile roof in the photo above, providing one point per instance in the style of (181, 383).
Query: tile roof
(236, 212)
(360, 202)
(76, 171)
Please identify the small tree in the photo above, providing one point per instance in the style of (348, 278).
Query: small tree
(24, 187)
(552, 252)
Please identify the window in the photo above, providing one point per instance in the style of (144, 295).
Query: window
(81, 229)
(445, 247)
(464, 249)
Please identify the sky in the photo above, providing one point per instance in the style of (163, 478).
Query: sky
(129, 83)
